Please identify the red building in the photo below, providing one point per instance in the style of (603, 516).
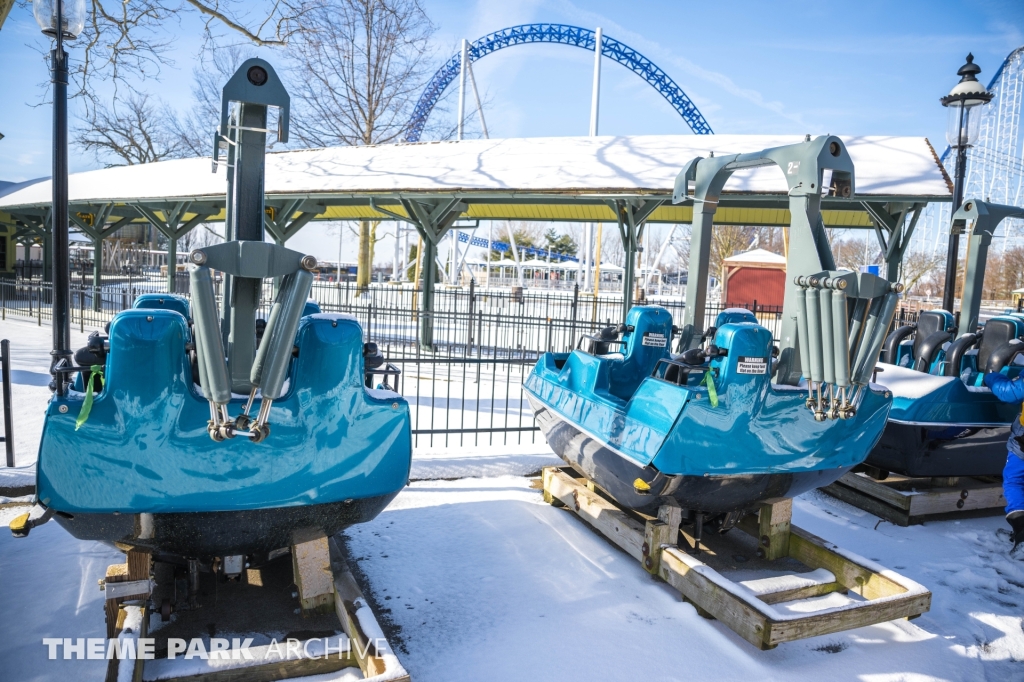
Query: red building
(756, 275)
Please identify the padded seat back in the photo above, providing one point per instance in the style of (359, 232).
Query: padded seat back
(998, 331)
(178, 304)
(929, 322)
(643, 347)
(734, 315)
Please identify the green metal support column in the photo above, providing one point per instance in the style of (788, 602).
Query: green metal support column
(708, 181)
(91, 221)
(893, 231)
(978, 219)
(432, 220)
(174, 226)
(632, 217)
(97, 272)
(697, 285)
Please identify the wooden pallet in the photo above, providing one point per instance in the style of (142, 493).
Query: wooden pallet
(754, 609)
(312, 555)
(905, 501)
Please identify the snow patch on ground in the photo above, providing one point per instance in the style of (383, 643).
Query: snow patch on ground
(17, 477)
(30, 363)
(496, 460)
(481, 580)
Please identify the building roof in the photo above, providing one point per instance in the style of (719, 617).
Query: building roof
(554, 178)
(756, 257)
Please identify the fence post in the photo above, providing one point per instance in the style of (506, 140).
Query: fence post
(575, 306)
(39, 306)
(469, 318)
(5, 361)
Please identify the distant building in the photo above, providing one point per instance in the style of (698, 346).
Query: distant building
(756, 275)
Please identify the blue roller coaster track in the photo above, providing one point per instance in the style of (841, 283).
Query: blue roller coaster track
(567, 35)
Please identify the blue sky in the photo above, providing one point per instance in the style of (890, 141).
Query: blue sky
(854, 68)
(752, 67)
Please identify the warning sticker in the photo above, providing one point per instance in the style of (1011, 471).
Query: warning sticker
(752, 365)
(655, 339)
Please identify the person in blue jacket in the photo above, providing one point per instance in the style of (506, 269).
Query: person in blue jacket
(1012, 391)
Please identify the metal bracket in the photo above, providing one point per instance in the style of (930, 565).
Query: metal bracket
(134, 588)
(258, 260)
(243, 87)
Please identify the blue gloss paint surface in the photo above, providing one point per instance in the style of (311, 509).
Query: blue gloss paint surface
(173, 302)
(950, 401)
(145, 447)
(756, 427)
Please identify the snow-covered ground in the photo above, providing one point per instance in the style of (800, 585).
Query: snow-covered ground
(483, 581)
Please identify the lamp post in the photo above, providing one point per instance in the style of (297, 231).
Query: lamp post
(62, 20)
(961, 133)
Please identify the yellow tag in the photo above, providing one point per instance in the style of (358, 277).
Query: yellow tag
(1021, 417)
(18, 523)
(641, 486)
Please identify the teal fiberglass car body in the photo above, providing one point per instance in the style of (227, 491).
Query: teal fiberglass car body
(621, 418)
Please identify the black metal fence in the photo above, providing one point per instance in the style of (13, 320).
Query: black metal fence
(468, 390)
(91, 307)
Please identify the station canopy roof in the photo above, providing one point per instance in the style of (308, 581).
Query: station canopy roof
(544, 179)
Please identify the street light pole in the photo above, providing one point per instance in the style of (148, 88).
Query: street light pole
(968, 93)
(59, 213)
(61, 20)
(953, 247)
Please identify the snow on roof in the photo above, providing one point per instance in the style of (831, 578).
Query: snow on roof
(756, 256)
(885, 166)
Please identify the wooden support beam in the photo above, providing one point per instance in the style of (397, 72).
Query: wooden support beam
(904, 501)
(656, 534)
(275, 670)
(311, 566)
(671, 514)
(136, 567)
(888, 595)
(612, 522)
(773, 528)
(347, 602)
(801, 593)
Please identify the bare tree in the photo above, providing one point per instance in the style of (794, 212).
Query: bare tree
(194, 130)
(921, 272)
(125, 41)
(136, 129)
(359, 68)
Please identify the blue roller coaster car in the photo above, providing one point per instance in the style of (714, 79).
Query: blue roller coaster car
(944, 421)
(706, 428)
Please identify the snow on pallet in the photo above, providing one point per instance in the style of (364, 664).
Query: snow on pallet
(905, 501)
(821, 589)
(362, 652)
